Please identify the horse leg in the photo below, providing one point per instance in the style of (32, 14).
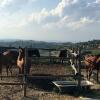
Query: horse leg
(1, 71)
(22, 70)
(87, 71)
(7, 67)
(90, 72)
(76, 62)
(97, 74)
(10, 69)
(19, 70)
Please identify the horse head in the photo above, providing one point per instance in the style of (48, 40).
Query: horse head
(33, 52)
(21, 53)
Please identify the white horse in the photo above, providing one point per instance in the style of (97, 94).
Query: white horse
(73, 64)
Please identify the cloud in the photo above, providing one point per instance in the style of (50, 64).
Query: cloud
(58, 11)
(93, 3)
(79, 17)
(38, 17)
(58, 17)
(68, 22)
(5, 2)
(80, 23)
(86, 20)
(60, 24)
(97, 1)
(33, 0)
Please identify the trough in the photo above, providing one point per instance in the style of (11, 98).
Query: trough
(71, 84)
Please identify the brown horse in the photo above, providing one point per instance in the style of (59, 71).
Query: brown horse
(21, 61)
(91, 63)
(8, 59)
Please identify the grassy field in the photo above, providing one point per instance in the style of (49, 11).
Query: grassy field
(95, 52)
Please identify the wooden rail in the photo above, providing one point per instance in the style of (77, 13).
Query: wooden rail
(17, 83)
(39, 76)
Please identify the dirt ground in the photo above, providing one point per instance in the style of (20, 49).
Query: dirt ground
(15, 92)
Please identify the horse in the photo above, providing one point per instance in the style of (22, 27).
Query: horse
(91, 63)
(33, 52)
(62, 55)
(8, 59)
(74, 56)
(22, 60)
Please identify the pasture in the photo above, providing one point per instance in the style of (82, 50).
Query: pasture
(96, 51)
(42, 88)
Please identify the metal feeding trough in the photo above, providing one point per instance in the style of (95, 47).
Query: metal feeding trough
(67, 84)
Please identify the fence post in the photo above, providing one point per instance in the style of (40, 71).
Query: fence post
(79, 69)
(25, 72)
(50, 56)
(97, 74)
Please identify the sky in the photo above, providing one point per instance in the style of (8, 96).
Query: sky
(50, 20)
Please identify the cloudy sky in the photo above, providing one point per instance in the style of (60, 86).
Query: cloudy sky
(50, 20)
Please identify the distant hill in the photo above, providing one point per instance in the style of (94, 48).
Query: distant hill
(42, 44)
(89, 44)
(31, 43)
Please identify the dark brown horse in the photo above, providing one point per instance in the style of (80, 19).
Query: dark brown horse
(62, 55)
(8, 59)
(91, 63)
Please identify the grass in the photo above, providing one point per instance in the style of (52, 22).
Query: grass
(95, 52)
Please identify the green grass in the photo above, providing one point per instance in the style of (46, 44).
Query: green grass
(95, 52)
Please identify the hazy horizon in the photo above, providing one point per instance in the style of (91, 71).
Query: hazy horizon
(11, 40)
(50, 20)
